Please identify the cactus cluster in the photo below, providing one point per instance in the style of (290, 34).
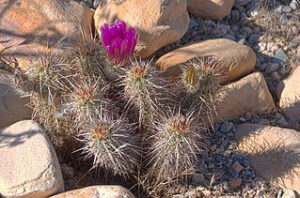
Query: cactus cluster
(125, 116)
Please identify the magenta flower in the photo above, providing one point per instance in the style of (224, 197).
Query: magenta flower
(118, 41)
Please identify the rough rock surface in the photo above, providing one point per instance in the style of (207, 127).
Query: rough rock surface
(158, 22)
(249, 94)
(29, 166)
(290, 96)
(12, 105)
(213, 9)
(273, 152)
(97, 192)
(232, 59)
(31, 29)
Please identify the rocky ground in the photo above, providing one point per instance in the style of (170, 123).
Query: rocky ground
(271, 29)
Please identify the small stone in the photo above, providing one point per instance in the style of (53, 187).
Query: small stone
(294, 5)
(282, 122)
(198, 179)
(254, 38)
(278, 10)
(286, 9)
(272, 67)
(235, 15)
(281, 55)
(242, 119)
(247, 30)
(233, 173)
(241, 2)
(230, 37)
(234, 183)
(289, 194)
(226, 126)
(237, 167)
(276, 76)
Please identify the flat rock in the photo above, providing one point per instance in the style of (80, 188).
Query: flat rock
(233, 60)
(158, 22)
(97, 192)
(290, 96)
(29, 166)
(31, 29)
(13, 106)
(249, 94)
(273, 152)
(213, 9)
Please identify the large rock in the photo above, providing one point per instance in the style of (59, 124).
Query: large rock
(273, 152)
(249, 94)
(233, 59)
(97, 192)
(29, 166)
(290, 96)
(13, 106)
(32, 28)
(158, 22)
(213, 9)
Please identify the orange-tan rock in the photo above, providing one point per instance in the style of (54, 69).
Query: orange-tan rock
(249, 94)
(158, 22)
(97, 192)
(213, 9)
(233, 60)
(30, 29)
(29, 166)
(290, 96)
(13, 106)
(273, 152)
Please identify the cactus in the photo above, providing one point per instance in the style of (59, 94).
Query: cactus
(143, 88)
(78, 94)
(111, 142)
(175, 143)
(199, 86)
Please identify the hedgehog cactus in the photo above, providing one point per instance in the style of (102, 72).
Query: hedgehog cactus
(112, 144)
(199, 85)
(175, 143)
(79, 95)
(142, 88)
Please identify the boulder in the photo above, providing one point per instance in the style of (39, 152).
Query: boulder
(158, 22)
(29, 166)
(290, 96)
(13, 105)
(31, 29)
(273, 152)
(97, 192)
(232, 59)
(212, 9)
(249, 94)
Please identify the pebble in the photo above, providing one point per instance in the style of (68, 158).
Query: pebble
(294, 5)
(226, 126)
(230, 37)
(280, 55)
(241, 2)
(289, 194)
(254, 38)
(198, 179)
(237, 167)
(286, 9)
(278, 10)
(272, 67)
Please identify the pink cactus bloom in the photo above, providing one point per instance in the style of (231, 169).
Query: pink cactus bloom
(119, 41)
